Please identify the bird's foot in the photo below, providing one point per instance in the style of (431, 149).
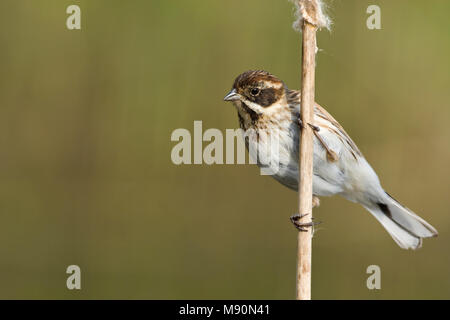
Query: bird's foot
(295, 219)
(315, 128)
(331, 155)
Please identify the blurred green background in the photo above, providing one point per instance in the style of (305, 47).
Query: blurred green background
(86, 176)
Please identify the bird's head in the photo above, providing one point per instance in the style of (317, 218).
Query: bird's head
(256, 91)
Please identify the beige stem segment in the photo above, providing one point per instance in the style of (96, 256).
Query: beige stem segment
(306, 161)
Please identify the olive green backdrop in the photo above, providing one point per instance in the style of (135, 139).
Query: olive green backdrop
(86, 176)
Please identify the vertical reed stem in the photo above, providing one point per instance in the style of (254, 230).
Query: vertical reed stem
(306, 160)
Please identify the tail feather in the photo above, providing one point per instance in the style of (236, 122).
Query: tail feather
(405, 227)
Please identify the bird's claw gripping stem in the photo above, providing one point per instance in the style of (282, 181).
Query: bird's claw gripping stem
(331, 155)
(302, 226)
(315, 128)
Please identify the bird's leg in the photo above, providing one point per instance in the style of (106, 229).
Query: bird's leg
(315, 201)
(331, 155)
(300, 123)
(315, 128)
(295, 219)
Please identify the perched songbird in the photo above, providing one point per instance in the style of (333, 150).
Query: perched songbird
(264, 103)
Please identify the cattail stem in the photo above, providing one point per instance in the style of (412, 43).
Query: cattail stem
(310, 17)
(306, 161)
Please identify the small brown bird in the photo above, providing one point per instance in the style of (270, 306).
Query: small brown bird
(265, 105)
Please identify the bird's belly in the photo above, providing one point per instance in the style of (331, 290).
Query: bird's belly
(281, 162)
(324, 179)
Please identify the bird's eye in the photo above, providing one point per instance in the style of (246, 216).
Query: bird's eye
(254, 91)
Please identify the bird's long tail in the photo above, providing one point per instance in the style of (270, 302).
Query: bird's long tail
(404, 226)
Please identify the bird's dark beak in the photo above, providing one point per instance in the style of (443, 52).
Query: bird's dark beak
(232, 96)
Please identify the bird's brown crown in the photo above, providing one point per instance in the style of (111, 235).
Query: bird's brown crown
(259, 87)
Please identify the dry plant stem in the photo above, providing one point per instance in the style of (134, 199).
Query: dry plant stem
(306, 161)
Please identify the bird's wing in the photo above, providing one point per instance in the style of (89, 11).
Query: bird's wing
(334, 126)
(325, 121)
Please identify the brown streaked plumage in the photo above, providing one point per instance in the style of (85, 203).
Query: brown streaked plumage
(294, 97)
(265, 105)
(256, 87)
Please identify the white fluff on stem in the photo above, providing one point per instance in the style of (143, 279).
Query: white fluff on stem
(312, 11)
